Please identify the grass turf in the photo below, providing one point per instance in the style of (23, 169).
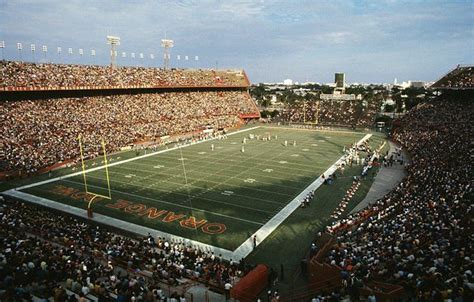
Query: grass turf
(301, 227)
(241, 190)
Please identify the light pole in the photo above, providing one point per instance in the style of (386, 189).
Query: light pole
(113, 41)
(2, 46)
(19, 46)
(33, 48)
(166, 44)
(45, 50)
(93, 55)
(152, 57)
(59, 50)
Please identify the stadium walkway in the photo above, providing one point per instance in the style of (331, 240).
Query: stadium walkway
(387, 179)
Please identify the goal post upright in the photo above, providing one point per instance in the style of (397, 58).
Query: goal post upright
(106, 169)
(94, 195)
(82, 162)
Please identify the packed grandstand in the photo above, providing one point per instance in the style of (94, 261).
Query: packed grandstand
(23, 75)
(416, 242)
(332, 112)
(40, 133)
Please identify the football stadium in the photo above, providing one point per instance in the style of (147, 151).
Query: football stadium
(173, 182)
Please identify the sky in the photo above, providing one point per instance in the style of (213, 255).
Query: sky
(303, 40)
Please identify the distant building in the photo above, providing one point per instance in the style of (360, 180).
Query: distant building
(288, 82)
(340, 81)
(338, 97)
(417, 84)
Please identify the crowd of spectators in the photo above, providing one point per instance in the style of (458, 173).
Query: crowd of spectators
(41, 133)
(327, 112)
(61, 76)
(461, 77)
(42, 253)
(346, 199)
(420, 234)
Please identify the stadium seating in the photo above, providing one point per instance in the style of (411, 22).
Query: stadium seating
(344, 113)
(41, 133)
(22, 75)
(462, 77)
(418, 236)
(43, 250)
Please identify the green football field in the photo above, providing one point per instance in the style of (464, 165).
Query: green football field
(218, 197)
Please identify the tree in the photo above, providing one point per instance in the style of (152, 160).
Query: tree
(265, 102)
(258, 92)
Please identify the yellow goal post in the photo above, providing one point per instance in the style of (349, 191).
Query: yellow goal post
(84, 174)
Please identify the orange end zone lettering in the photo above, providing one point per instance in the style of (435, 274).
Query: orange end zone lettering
(120, 204)
(214, 228)
(79, 195)
(171, 216)
(191, 223)
(135, 208)
(152, 213)
(63, 190)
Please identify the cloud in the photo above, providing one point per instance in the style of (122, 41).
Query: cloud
(272, 39)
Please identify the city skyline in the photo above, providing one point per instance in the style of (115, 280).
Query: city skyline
(307, 41)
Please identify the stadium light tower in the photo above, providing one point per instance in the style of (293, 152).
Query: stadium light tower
(33, 49)
(166, 44)
(59, 49)
(113, 41)
(19, 46)
(93, 55)
(2, 46)
(45, 50)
